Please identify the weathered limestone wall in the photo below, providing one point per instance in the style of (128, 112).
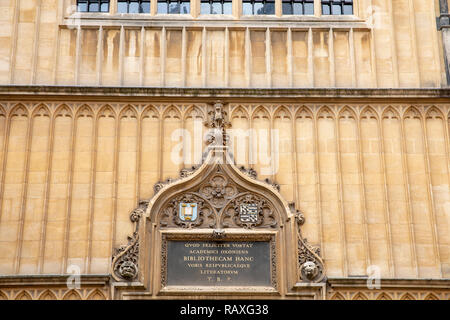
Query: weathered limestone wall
(372, 180)
(385, 44)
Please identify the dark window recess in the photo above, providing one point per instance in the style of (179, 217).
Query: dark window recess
(174, 7)
(298, 7)
(133, 6)
(257, 7)
(93, 5)
(216, 7)
(337, 7)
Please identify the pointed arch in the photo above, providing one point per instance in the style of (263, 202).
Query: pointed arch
(304, 112)
(239, 112)
(63, 111)
(325, 113)
(128, 112)
(390, 113)
(347, 113)
(2, 111)
(434, 113)
(337, 296)
(85, 111)
(282, 112)
(23, 295)
(72, 295)
(19, 111)
(41, 111)
(360, 296)
(172, 112)
(412, 113)
(431, 296)
(407, 296)
(369, 113)
(384, 296)
(96, 295)
(106, 111)
(194, 112)
(261, 112)
(3, 296)
(150, 112)
(47, 295)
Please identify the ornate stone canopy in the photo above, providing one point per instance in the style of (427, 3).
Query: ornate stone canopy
(219, 190)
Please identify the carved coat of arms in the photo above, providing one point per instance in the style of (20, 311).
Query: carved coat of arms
(188, 211)
(248, 212)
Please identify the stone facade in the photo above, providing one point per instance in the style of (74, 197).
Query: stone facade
(348, 115)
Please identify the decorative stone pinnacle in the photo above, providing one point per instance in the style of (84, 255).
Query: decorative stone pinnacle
(218, 122)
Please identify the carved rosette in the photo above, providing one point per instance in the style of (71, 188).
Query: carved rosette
(218, 191)
(266, 217)
(125, 260)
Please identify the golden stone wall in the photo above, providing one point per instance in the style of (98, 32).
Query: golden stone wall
(385, 44)
(370, 172)
(372, 180)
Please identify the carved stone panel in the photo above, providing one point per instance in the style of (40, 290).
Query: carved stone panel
(220, 204)
(235, 261)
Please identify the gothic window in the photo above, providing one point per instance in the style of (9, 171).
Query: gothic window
(298, 7)
(337, 7)
(133, 6)
(174, 6)
(216, 7)
(257, 7)
(93, 5)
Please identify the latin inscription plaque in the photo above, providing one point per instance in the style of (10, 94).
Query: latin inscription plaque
(221, 263)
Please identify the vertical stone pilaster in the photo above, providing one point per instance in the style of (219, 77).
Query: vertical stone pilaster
(443, 24)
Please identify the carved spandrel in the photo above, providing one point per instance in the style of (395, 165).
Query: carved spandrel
(265, 216)
(218, 191)
(205, 217)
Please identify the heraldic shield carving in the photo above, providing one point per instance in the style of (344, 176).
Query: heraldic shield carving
(217, 202)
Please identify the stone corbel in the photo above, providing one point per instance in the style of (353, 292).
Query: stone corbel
(310, 264)
(125, 260)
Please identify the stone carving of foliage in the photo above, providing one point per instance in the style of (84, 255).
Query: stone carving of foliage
(126, 257)
(266, 217)
(309, 261)
(206, 217)
(218, 191)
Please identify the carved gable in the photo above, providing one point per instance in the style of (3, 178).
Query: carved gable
(216, 202)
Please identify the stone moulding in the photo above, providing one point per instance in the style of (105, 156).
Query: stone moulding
(271, 237)
(125, 259)
(219, 189)
(21, 92)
